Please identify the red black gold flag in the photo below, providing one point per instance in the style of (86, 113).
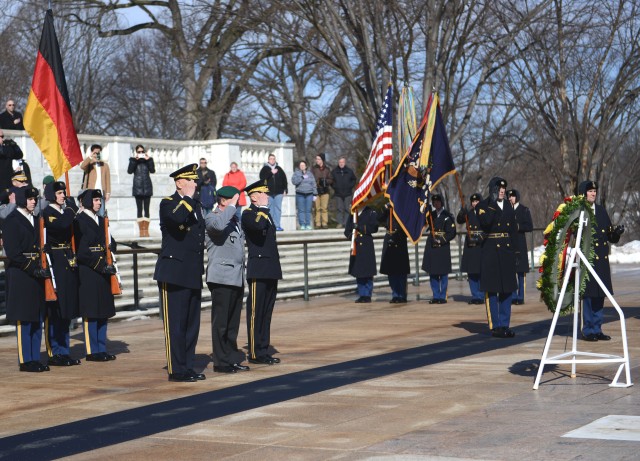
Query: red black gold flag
(47, 116)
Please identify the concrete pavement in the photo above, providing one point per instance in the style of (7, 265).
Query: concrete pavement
(357, 381)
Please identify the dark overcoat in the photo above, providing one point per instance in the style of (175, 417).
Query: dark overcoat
(395, 252)
(498, 271)
(181, 258)
(25, 294)
(141, 169)
(363, 263)
(64, 266)
(437, 257)
(472, 252)
(94, 293)
(260, 234)
(525, 224)
(601, 261)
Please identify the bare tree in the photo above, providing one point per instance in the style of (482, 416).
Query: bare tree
(204, 36)
(576, 81)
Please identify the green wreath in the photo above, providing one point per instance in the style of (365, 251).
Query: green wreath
(559, 235)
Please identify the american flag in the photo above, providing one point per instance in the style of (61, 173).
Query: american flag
(372, 181)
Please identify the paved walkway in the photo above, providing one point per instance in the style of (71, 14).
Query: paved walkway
(378, 381)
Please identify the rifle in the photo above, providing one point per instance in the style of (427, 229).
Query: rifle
(49, 289)
(116, 288)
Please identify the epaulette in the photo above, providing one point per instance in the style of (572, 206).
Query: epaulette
(168, 198)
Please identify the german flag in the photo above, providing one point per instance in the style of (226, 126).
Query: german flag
(47, 116)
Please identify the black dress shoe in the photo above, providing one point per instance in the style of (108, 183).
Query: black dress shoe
(60, 360)
(394, 300)
(442, 301)
(434, 301)
(361, 299)
(591, 338)
(264, 360)
(99, 357)
(401, 301)
(367, 299)
(109, 356)
(224, 369)
(502, 332)
(198, 376)
(602, 337)
(240, 367)
(33, 367)
(182, 378)
(273, 359)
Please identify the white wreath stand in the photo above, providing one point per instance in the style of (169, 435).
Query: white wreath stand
(574, 257)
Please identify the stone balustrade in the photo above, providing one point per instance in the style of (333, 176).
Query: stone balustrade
(168, 156)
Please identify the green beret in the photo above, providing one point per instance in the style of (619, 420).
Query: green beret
(227, 192)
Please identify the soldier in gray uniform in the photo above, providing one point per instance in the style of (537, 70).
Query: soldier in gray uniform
(225, 279)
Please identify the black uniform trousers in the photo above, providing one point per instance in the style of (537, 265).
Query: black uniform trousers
(260, 303)
(181, 314)
(226, 308)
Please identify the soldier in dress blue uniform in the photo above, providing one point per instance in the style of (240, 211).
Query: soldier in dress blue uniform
(225, 279)
(25, 279)
(525, 224)
(395, 258)
(593, 297)
(58, 217)
(179, 272)
(498, 271)
(263, 272)
(94, 292)
(437, 252)
(472, 253)
(362, 265)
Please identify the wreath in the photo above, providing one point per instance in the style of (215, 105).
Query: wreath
(557, 239)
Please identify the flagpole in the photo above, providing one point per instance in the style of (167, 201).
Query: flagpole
(466, 216)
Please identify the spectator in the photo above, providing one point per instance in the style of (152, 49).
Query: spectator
(306, 193)
(344, 180)
(97, 175)
(278, 186)
(206, 186)
(236, 178)
(141, 165)
(323, 180)
(11, 119)
(9, 151)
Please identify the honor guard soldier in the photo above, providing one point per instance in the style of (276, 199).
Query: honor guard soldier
(25, 279)
(94, 293)
(525, 224)
(179, 272)
(437, 252)
(58, 217)
(593, 297)
(263, 272)
(395, 258)
(362, 262)
(472, 253)
(225, 279)
(498, 271)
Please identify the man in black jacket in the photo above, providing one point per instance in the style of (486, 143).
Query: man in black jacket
(437, 252)
(9, 151)
(498, 271)
(263, 272)
(362, 262)
(344, 180)
(525, 224)
(179, 274)
(593, 298)
(11, 119)
(278, 186)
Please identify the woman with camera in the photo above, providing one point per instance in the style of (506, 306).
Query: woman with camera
(323, 180)
(141, 166)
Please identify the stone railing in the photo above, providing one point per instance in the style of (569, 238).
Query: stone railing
(168, 156)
